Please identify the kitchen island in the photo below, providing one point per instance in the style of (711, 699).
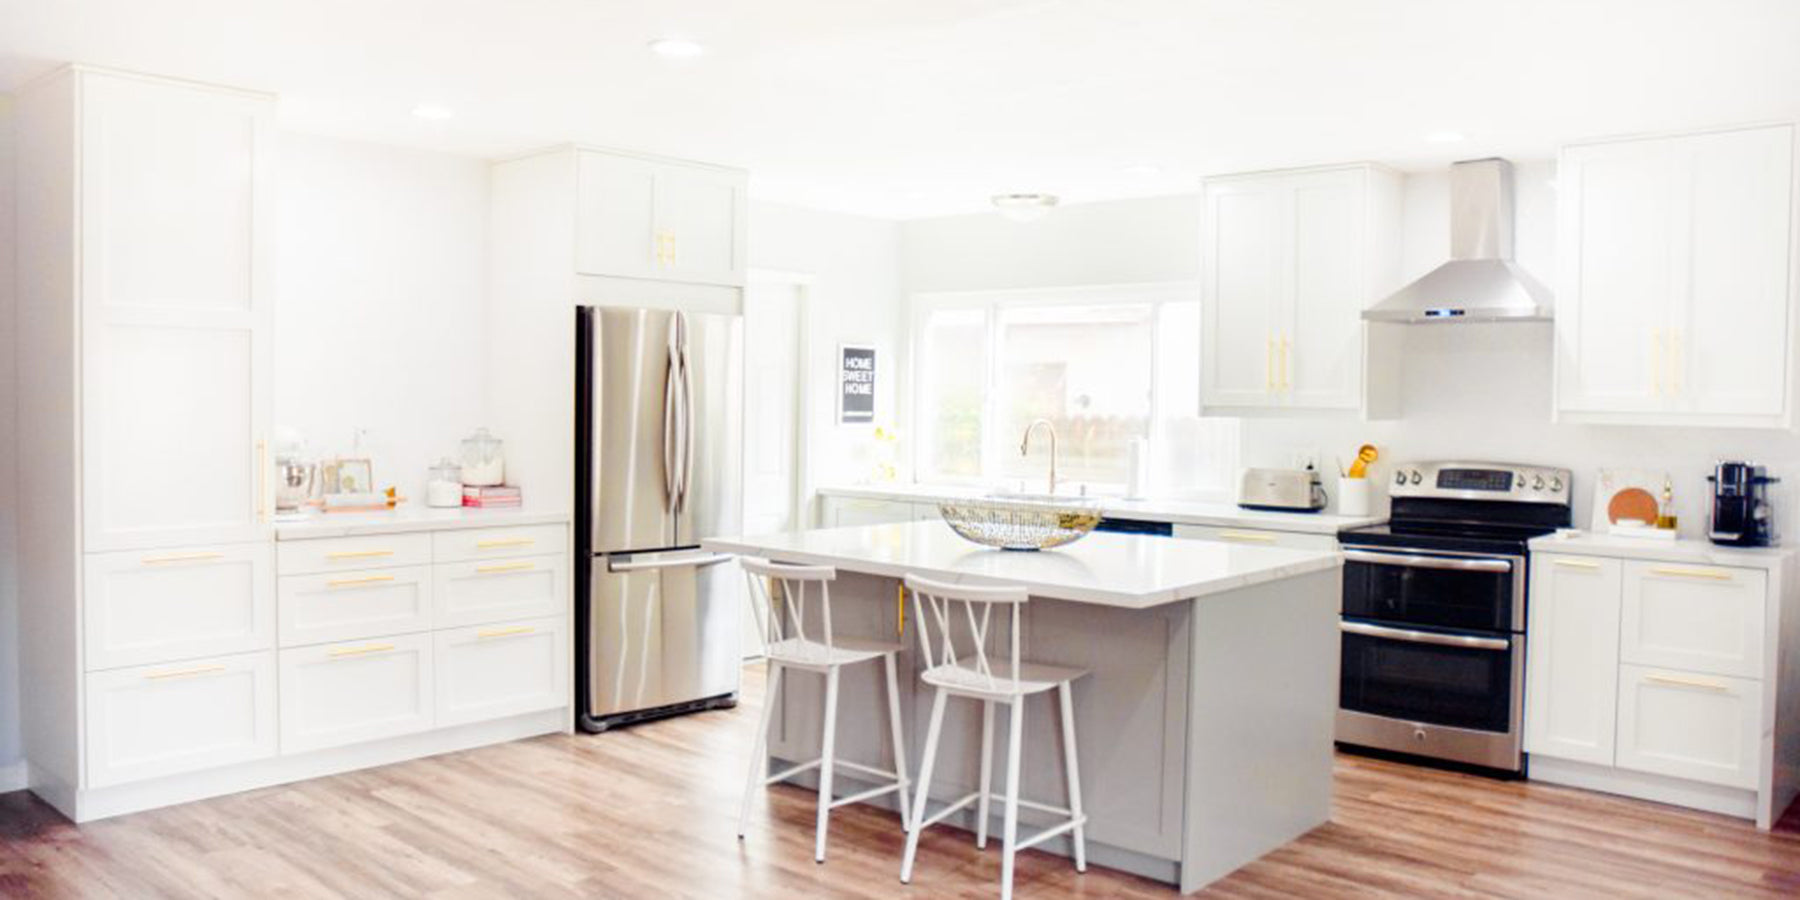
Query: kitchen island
(1205, 722)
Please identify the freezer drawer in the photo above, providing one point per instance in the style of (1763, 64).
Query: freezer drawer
(662, 630)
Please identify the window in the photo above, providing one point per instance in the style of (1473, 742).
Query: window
(1104, 366)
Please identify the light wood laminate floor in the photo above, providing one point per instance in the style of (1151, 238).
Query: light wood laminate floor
(650, 813)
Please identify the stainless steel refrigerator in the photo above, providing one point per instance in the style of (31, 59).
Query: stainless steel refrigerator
(659, 460)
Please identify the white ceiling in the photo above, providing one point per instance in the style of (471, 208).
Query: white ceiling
(904, 108)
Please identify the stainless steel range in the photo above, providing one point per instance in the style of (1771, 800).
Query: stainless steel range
(1435, 604)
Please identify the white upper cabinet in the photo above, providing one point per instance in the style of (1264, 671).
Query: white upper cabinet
(1289, 261)
(642, 218)
(1674, 299)
(175, 298)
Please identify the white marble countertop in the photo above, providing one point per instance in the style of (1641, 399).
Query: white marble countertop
(1681, 550)
(1133, 571)
(1180, 512)
(410, 518)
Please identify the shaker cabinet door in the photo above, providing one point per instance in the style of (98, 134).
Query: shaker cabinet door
(1572, 667)
(1243, 294)
(615, 215)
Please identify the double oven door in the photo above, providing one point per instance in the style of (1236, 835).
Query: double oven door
(1433, 654)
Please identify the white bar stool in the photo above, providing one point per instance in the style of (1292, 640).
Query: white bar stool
(1008, 682)
(784, 629)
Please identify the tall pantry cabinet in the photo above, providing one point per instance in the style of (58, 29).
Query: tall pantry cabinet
(147, 613)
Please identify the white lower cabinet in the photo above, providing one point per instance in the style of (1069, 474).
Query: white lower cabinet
(1257, 537)
(502, 669)
(1700, 727)
(146, 606)
(152, 721)
(344, 606)
(337, 694)
(843, 512)
(1572, 659)
(471, 593)
(1699, 618)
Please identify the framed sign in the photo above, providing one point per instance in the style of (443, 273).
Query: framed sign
(856, 384)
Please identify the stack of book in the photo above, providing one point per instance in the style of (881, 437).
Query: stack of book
(495, 496)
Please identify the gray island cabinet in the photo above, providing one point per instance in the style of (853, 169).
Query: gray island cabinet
(1205, 723)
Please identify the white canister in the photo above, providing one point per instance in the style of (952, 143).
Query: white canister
(1353, 496)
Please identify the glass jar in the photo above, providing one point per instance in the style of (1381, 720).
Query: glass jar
(444, 488)
(483, 462)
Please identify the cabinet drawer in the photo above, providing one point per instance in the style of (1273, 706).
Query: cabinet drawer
(351, 553)
(345, 606)
(159, 605)
(1702, 727)
(1695, 618)
(491, 671)
(151, 721)
(338, 694)
(498, 543)
(1258, 537)
(474, 593)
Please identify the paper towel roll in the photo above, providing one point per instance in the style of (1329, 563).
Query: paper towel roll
(1137, 479)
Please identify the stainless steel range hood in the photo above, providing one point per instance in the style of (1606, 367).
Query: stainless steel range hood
(1480, 283)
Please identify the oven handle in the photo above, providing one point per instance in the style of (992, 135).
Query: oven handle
(1424, 637)
(1429, 562)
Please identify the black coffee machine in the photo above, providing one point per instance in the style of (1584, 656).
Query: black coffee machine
(1741, 516)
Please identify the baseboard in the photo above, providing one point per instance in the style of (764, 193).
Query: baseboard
(14, 776)
(104, 802)
(1646, 786)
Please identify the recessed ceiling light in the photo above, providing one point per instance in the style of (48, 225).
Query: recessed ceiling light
(1141, 170)
(432, 111)
(1445, 137)
(677, 48)
(1024, 207)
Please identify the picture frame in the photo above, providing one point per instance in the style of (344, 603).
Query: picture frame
(857, 372)
(347, 476)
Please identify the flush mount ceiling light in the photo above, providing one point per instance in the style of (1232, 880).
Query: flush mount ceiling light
(1024, 207)
(432, 111)
(1444, 137)
(677, 48)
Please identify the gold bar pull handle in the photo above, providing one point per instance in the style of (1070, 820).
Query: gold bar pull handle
(1576, 563)
(362, 651)
(180, 558)
(347, 582)
(1674, 681)
(1687, 572)
(262, 481)
(509, 567)
(1247, 537)
(1287, 365)
(358, 554)
(504, 632)
(504, 542)
(184, 673)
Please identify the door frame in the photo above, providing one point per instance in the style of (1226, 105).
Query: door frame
(801, 282)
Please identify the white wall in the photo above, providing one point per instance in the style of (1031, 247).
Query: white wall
(381, 268)
(854, 297)
(11, 772)
(1478, 391)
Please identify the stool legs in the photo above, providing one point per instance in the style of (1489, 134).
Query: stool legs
(924, 788)
(827, 753)
(1072, 766)
(1015, 740)
(987, 773)
(759, 762)
(893, 689)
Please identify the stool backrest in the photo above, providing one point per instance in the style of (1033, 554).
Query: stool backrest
(950, 606)
(778, 594)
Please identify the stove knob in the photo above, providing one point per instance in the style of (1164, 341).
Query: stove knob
(1519, 482)
(1399, 477)
(1556, 484)
(1537, 483)
(1415, 477)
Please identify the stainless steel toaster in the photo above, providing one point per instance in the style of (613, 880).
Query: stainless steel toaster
(1291, 490)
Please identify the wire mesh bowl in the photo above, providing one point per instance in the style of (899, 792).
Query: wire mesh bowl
(1024, 522)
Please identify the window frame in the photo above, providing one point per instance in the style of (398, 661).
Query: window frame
(993, 303)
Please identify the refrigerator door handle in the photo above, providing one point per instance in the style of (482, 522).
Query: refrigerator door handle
(698, 562)
(670, 420)
(687, 417)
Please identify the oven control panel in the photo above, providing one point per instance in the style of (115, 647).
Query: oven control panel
(1482, 481)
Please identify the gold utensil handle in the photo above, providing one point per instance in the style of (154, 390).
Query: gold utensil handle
(1713, 686)
(358, 554)
(509, 567)
(504, 542)
(1686, 572)
(504, 632)
(346, 582)
(180, 558)
(184, 673)
(363, 651)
